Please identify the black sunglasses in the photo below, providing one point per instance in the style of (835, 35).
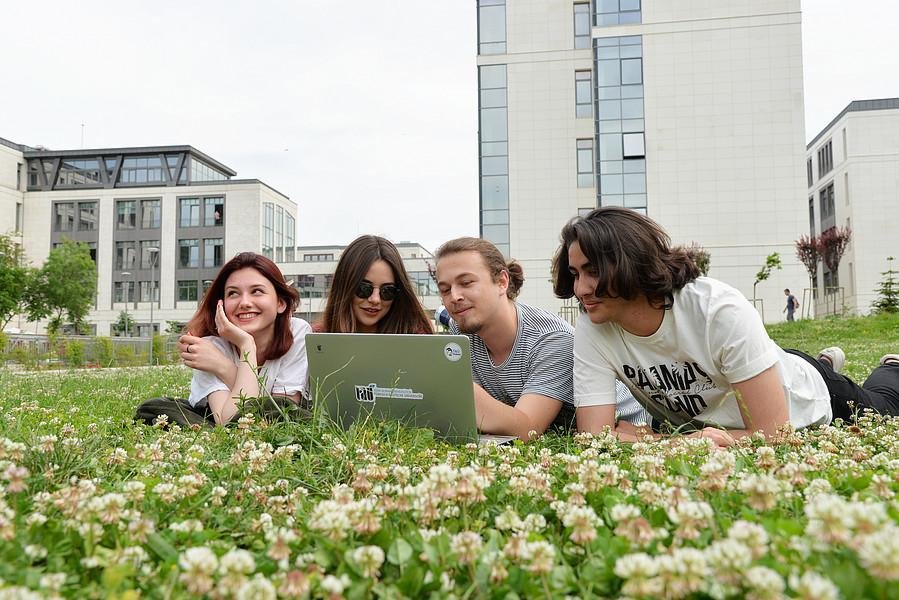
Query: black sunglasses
(388, 291)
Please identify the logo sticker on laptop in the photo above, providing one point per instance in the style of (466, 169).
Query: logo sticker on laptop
(452, 352)
(371, 392)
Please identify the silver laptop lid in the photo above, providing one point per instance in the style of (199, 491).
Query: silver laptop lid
(421, 379)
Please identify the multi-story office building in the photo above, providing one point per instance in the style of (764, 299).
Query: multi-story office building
(852, 170)
(159, 221)
(687, 110)
(314, 266)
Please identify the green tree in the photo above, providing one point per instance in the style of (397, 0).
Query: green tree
(14, 279)
(772, 261)
(700, 256)
(887, 290)
(124, 325)
(65, 286)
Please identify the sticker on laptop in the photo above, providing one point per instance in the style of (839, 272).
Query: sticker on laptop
(371, 392)
(452, 352)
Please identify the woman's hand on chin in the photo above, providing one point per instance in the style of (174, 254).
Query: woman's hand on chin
(231, 332)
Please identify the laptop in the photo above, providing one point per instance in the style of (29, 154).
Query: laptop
(424, 380)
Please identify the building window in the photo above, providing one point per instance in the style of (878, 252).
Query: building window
(87, 216)
(811, 216)
(188, 291)
(585, 163)
(827, 207)
(621, 139)
(617, 12)
(494, 155)
(79, 172)
(491, 26)
(290, 227)
(20, 215)
(213, 252)
(126, 214)
(189, 212)
(317, 257)
(188, 253)
(146, 295)
(123, 291)
(64, 216)
(633, 145)
(150, 214)
(268, 229)
(19, 168)
(125, 255)
(582, 25)
(583, 94)
(142, 169)
(148, 259)
(825, 159)
(200, 171)
(213, 211)
(808, 172)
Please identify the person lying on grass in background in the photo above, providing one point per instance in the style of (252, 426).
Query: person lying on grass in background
(371, 292)
(692, 349)
(521, 356)
(245, 322)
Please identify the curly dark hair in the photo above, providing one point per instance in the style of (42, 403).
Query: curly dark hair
(630, 253)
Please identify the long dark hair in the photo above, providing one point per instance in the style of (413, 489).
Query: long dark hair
(630, 253)
(405, 315)
(494, 260)
(203, 321)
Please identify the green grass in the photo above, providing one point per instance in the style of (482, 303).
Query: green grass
(69, 453)
(863, 339)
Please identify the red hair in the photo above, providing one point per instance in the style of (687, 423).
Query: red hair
(203, 321)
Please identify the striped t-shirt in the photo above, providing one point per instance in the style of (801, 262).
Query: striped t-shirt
(541, 362)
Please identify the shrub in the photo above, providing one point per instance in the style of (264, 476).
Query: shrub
(104, 353)
(74, 353)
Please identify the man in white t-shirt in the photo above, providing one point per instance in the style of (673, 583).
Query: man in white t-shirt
(692, 349)
(521, 355)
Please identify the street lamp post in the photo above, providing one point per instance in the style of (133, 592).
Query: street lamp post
(154, 253)
(127, 298)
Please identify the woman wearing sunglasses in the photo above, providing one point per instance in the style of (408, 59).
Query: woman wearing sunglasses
(371, 292)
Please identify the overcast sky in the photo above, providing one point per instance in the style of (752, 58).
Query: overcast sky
(364, 113)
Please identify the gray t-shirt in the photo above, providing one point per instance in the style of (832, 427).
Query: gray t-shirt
(541, 362)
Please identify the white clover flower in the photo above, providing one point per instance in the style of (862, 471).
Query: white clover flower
(583, 521)
(624, 512)
(539, 556)
(466, 545)
(237, 560)
(52, 581)
(507, 520)
(334, 586)
(534, 522)
(879, 553)
(764, 584)
(829, 520)
(187, 526)
(729, 558)
(638, 565)
(816, 487)
(752, 535)
(369, 559)
(812, 586)
(35, 552)
(257, 588)
(761, 490)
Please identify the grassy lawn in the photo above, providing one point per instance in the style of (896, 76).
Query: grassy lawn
(863, 339)
(93, 506)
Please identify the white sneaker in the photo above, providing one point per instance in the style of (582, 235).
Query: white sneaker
(892, 359)
(835, 356)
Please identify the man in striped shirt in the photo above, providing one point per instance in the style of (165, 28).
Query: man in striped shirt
(522, 356)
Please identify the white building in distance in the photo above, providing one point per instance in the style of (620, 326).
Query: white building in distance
(160, 222)
(687, 110)
(852, 172)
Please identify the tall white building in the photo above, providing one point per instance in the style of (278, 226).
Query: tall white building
(852, 172)
(687, 110)
(159, 221)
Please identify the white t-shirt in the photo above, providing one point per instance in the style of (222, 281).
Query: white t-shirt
(285, 375)
(710, 339)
